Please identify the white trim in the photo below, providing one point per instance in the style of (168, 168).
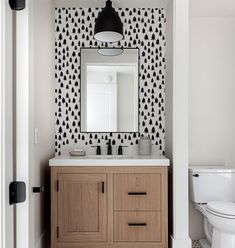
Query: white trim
(180, 119)
(1, 126)
(42, 240)
(6, 156)
(180, 243)
(22, 123)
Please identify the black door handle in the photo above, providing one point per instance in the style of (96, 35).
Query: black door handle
(38, 189)
(17, 192)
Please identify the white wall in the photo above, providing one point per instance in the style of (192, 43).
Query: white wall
(42, 114)
(169, 107)
(211, 91)
(169, 81)
(211, 96)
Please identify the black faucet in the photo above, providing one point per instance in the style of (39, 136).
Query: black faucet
(120, 152)
(109, 148)
(98, 150)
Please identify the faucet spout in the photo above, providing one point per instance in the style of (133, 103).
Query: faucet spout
(109, 151)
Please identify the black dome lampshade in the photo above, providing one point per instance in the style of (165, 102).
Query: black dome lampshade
(108, 26)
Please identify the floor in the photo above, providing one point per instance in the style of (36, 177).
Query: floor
(195, 244)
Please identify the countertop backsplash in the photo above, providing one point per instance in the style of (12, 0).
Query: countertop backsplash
(144, 29)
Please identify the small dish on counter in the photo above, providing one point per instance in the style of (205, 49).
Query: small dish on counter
(77, 152)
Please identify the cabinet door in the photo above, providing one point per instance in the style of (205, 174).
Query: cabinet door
(82, 208)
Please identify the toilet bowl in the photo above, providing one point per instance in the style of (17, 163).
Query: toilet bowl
(220, 229)
(212, 191)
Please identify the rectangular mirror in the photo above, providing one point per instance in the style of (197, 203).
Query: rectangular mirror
(109, 90)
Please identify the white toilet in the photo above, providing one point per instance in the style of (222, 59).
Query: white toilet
(212, 189)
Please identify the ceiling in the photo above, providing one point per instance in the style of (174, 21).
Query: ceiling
(116, 3)
(198, 8)
(212, 8)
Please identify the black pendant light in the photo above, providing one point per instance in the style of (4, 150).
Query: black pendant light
(108, 26)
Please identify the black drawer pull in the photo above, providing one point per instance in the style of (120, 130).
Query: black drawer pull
(137, 224)
(102, 187)
(137, 193)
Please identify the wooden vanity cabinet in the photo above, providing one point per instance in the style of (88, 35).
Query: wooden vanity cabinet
(102, 207)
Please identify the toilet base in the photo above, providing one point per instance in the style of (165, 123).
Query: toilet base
(222, 240)
(218, 231)
(204, 243)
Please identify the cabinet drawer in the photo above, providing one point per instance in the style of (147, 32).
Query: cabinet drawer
(137, 192)
(137, 226)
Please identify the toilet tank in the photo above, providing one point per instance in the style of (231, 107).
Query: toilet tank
(211, 183)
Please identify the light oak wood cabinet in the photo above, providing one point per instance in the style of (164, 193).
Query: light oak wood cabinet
(102, 207)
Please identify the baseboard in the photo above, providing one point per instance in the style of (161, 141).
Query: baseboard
(181, 243)
(175, 243)
(43, 240)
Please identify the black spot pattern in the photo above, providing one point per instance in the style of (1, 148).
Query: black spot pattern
(144, 29)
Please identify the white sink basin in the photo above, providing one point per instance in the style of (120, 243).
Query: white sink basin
(108, 156)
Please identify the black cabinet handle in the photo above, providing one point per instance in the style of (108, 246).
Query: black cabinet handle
(102, 187)
(137, 224)
(137, 193)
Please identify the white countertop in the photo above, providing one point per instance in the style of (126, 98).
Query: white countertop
(110, 160)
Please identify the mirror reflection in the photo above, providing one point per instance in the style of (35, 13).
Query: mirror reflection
(109, 91)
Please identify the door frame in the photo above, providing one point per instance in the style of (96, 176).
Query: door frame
(6, 124)
(22, 117)
(14, 123)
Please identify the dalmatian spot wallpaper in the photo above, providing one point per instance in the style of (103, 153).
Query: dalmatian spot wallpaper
(143, 29)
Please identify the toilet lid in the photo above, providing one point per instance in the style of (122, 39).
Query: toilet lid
(224, 208)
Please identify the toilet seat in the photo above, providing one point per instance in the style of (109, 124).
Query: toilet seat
(222, 209)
